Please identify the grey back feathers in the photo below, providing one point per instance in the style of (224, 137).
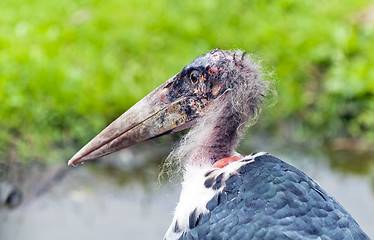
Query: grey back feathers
(269, 199)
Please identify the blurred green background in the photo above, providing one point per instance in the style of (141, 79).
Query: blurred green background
(67, 68)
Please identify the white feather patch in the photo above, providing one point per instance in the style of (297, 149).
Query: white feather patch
(195, 195)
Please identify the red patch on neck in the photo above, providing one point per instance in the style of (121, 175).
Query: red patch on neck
(225, 161)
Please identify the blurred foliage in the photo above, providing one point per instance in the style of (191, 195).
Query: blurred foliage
(70, 67)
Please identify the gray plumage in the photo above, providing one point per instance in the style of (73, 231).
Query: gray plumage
(270, 199)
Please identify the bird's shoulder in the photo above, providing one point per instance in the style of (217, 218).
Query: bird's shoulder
(263, 196)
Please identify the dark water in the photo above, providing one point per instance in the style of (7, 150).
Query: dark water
(122, 198)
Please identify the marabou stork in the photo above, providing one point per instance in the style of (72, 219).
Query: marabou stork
(225, 195)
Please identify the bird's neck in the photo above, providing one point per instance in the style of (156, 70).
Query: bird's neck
(215, 136)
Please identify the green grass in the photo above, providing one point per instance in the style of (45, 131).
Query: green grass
(70, 67)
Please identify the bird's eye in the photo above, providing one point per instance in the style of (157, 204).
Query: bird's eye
(194, 76)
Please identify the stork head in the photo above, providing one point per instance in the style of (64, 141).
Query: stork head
(218, 76)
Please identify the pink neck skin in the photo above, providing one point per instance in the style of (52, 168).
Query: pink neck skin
(217, 135)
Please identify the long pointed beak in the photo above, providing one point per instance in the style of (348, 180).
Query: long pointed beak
(152, 116)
